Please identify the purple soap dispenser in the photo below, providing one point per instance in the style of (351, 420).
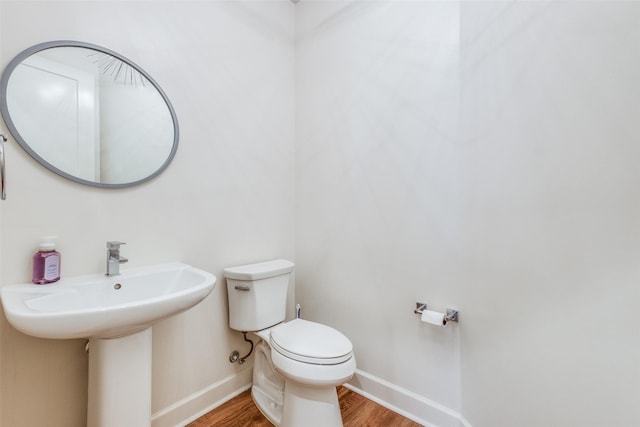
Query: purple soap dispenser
(46, 263)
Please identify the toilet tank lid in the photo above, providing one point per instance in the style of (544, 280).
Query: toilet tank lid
(260, 270)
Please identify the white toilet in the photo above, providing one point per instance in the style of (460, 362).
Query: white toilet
(298, 363)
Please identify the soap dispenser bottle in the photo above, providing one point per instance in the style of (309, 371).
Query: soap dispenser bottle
(46, 263)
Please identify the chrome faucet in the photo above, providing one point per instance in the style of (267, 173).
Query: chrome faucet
(114, 259)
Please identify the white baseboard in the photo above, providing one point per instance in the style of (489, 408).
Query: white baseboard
(199, 403)
(406, 403)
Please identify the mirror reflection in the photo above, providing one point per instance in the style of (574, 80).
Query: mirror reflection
(88, 114)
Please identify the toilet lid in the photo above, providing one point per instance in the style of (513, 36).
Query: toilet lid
(311, 342)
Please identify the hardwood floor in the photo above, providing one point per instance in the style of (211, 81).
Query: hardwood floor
(357, 411)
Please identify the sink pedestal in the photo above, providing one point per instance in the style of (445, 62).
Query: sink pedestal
(120, 381)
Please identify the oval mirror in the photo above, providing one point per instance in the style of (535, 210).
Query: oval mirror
(88, 114)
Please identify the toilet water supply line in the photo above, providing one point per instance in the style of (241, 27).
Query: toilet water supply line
(235, 355)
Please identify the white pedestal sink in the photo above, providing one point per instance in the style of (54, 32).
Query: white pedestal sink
(116, 315)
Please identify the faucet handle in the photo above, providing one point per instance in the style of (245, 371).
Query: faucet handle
(114, 245)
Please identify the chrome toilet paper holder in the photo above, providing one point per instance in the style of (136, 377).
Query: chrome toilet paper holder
(450, 316)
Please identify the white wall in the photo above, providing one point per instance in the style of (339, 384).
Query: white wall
(226, 199)
(550, 213)
(377, 102)
(486, 158)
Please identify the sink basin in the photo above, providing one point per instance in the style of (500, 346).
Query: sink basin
(97, 306)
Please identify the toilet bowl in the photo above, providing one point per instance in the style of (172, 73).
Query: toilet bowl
(298, 363)
(267, 389)
(297, 368)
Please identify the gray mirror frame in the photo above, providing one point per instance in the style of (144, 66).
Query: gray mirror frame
(4, 110)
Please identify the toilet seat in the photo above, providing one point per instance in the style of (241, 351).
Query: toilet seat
(310, 342)
(337, 365)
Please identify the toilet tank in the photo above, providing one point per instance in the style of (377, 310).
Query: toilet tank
(257, 294)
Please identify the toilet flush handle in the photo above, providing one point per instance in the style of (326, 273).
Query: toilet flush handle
(242, 288)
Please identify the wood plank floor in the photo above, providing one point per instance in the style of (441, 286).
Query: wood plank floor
(357, 411)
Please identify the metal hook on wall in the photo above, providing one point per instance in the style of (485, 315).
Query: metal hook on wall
(3, 193)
